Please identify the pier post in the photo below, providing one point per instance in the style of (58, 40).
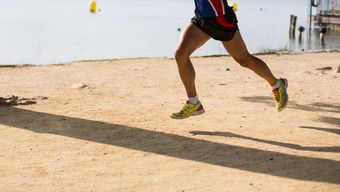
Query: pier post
(292, 27)
(322, 31)
(301, 30)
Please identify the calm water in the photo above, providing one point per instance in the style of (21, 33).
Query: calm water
(48, 31)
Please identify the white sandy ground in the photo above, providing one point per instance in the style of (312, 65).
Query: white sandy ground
(116, 134)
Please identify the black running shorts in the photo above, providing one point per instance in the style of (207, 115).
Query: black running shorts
(211, 27)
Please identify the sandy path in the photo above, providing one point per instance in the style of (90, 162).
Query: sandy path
(116, 135)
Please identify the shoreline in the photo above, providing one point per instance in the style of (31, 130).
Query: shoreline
(201, 56)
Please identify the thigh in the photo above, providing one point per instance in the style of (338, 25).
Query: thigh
(191, 39)
(236, 47)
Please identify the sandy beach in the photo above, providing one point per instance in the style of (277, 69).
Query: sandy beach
(105, 126)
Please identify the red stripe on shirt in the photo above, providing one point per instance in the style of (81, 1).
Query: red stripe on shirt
(221, 20)
(218, 6)
(219, 9)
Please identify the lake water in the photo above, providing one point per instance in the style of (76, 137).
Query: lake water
(49, 31)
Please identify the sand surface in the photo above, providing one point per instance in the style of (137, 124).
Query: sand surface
(105, 126)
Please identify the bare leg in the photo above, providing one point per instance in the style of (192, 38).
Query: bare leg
(191, 39)
(238, 50)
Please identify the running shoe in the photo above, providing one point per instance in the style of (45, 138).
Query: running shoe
(188, 110)
(280, 95)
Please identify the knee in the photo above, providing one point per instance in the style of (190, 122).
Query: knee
(245, 61)
(181, 54)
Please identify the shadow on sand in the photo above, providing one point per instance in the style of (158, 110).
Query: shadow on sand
(333, 149)
(323, 107)
(242, 158)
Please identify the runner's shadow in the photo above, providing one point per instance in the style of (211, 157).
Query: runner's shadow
(335, 131)
(331, 120)
(235, 157)
(334, 149)
(293, 105)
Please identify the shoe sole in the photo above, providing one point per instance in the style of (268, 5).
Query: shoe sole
(191, 114)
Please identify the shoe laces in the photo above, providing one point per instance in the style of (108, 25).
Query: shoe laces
(187, 107)
(276, 95)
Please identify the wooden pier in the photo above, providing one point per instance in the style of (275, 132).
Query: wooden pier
(327, 14)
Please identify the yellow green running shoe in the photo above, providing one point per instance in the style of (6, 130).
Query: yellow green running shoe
(280, 95)
(188, 110)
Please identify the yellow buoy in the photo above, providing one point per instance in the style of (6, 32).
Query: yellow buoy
(92, 6)
(233, 5)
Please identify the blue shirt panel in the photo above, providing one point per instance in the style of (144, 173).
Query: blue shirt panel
(204, 9)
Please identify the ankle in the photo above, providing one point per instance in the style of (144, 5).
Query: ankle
(193, 100)
(277, 85)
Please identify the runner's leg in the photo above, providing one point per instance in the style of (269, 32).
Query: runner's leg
(238, 50)
(191, 39)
